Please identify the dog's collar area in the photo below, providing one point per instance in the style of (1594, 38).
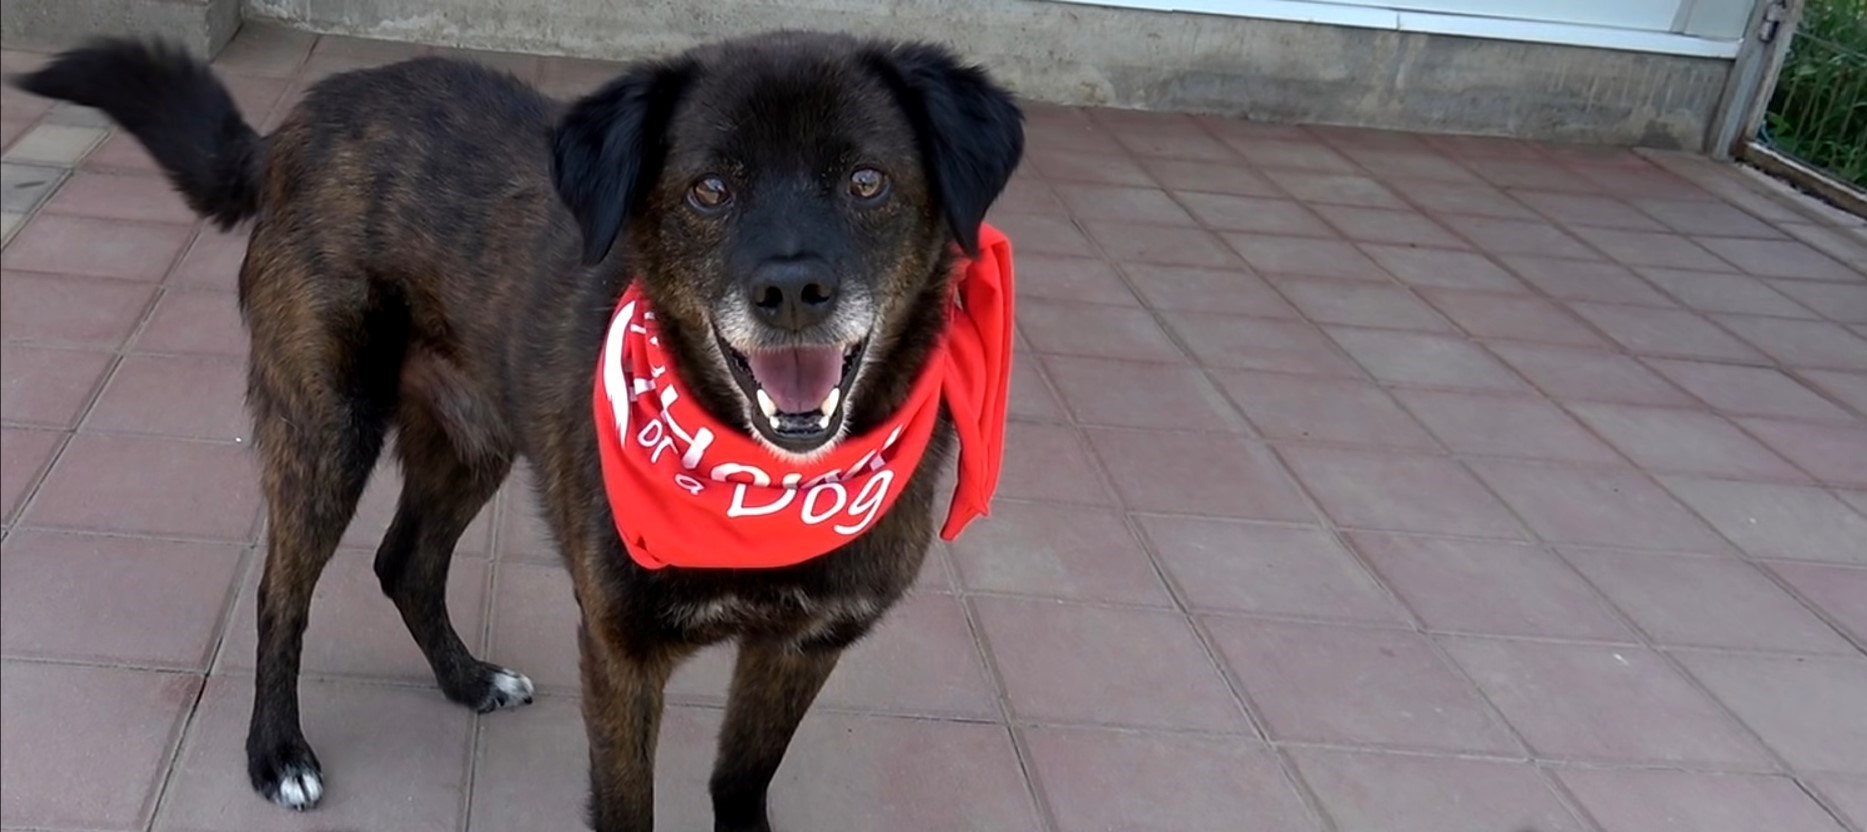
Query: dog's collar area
(687, 490)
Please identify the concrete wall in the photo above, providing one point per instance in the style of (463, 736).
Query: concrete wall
(1075, 54)
(203, 26)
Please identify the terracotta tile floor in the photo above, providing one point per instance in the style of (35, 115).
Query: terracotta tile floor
(1360, 482)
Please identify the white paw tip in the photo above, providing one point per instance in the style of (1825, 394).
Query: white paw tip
(300, 789)
(512, 684)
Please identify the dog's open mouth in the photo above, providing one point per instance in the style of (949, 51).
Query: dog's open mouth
(799, 394)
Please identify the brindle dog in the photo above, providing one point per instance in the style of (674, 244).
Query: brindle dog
(436, 251)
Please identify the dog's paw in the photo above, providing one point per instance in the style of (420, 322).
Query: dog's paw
(297, 785)
(299, 789)
(505, 689)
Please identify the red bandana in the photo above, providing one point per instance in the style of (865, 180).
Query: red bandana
(689, 491)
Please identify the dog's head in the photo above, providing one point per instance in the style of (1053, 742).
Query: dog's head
(789, 202)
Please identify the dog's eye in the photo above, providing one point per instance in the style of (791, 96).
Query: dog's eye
(709, 193)
(867, 184)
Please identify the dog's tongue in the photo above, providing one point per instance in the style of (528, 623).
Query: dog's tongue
(797, 379)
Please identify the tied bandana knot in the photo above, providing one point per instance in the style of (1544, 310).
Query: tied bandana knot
(687, 490)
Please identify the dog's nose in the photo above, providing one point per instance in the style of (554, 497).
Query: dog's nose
(794, 294)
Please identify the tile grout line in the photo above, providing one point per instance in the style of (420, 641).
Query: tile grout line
(34, 486)
(1034, 790)
(1699, 685)
(1795, 374)
(489, 611)
(159, 791)
(157, 802)
(1548, 551)
(226, 614)
(182, 742)
(160, 289)
(1634, 271)
(1832, 807)
(1653, 642)
(1774, 195)
(1534, 392)
(1751, 433)
(1667, 658)
(987, 658)
(1551, 550)
(1760, 564)
(23, 502)
(1531, 286)
(216, 664)
(502, 504)
(1412, 293)
(1287, 766)
(1858, 641)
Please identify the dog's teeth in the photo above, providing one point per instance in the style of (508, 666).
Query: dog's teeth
(768, 407)
(823, 422)
(829, 404)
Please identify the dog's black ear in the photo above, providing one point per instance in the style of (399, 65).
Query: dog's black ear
(970, 131)
(609, 148)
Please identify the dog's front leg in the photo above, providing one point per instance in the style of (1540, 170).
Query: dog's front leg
(622, 701)
(774, 683)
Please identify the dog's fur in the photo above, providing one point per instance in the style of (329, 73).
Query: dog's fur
(436, 252)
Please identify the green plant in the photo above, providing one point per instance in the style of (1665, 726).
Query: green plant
(1819, 110)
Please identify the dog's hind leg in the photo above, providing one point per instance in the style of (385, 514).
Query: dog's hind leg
(445, 483)
(774, 683)
(318, 442)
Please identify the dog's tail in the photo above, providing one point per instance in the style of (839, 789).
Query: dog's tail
(175, 106)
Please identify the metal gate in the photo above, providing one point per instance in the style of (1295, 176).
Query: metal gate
(1800, 94)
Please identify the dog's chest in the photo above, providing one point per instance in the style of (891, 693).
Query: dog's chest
(791, 613)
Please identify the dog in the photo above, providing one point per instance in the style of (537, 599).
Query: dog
(438, 254)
